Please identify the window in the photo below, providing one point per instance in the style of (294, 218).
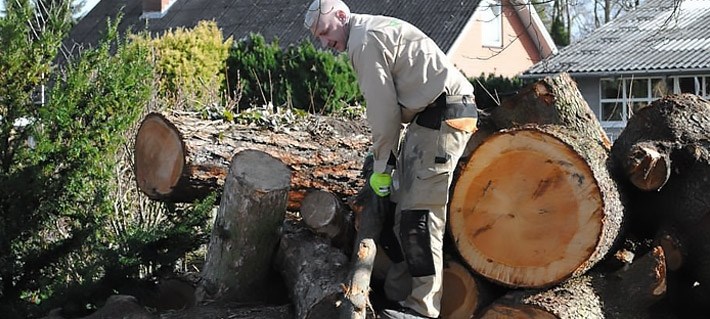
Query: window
(698, 85)
(620, 98)
(491, 18)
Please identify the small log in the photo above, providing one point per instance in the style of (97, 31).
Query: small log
(181, 158)
(534, 206)
(369, 210)
(462, 292)
(326, 214)
(312, 270)
(245, 232)
(355, 299)
(627, 293)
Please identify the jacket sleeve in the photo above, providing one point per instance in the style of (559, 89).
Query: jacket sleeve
(372, 62)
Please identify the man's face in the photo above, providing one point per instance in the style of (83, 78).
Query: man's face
(329, 29)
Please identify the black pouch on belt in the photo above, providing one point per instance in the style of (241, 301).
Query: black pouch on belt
(459, 111)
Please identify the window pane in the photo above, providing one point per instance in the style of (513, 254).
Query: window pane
(611, 111)
(611, 89)
(638, 88)
(687, 85)
(707, 86)
(660, 87)
(635, 107)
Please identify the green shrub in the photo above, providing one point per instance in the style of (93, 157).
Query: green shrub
(301, 76)
(190, 62)
(65, 239)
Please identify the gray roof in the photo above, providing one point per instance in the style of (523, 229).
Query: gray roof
(654, 38)
(442, 20)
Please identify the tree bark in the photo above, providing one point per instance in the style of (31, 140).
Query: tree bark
(312, 270)
(245, 232)
(553, 100)
(677, 206)
(534, 206)
(627, 293)
(369, 226)
(181, 158)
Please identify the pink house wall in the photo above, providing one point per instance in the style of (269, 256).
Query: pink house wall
(517, 54)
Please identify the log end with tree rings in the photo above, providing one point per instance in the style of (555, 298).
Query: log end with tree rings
(159, 156)
(498, 311)
(460, 296)
(526, 210)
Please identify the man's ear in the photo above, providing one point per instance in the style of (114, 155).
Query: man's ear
(341, 15)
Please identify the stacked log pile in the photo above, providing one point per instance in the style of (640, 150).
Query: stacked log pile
(547, 218)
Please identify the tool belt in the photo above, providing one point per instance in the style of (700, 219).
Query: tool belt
(459, 111)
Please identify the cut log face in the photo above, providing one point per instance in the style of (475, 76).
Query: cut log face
(527, 209)
(161, 161)
(460, 297)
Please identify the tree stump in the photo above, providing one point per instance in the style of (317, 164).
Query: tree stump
(534, 206)
(627, 293)
(312, 270)
(182, 158)
(246, 229)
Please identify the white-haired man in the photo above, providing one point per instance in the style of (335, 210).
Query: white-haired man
(406, 79)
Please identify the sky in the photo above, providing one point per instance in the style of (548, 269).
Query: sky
(88, 5)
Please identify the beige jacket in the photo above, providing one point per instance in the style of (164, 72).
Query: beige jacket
(400, 71)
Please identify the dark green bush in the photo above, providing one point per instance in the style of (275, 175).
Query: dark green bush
(492, 89)
(300, 76)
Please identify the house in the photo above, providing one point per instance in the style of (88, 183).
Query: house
(480, 36)
(659, 48)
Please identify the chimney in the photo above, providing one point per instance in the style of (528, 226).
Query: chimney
(156, 9)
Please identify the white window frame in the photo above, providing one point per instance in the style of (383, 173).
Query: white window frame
(702, 88)
(491, 23)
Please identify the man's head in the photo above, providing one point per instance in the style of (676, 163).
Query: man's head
(327, 20)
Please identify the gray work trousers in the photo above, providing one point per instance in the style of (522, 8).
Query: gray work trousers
(425, 166)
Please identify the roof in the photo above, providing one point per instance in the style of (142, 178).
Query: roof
(442, 20)
(654, 38)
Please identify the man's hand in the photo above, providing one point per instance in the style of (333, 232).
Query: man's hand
(381, 183)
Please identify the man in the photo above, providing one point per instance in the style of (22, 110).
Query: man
(406, 79)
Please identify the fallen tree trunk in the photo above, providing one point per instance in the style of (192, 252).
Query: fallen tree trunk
(312, 270)
(181, 158)
(627, 293)
(245, 232)
(535, 206)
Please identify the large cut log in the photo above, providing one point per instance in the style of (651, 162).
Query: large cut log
(535, 205)
(312, 270)
(180, 157)
(246, 229)
(665, 155)
(627, 293)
